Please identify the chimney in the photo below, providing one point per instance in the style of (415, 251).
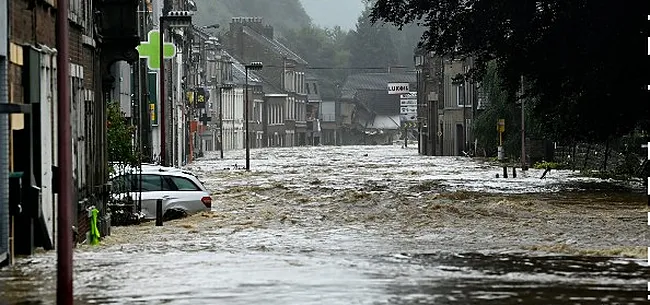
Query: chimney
(256, 23)
(268, 31)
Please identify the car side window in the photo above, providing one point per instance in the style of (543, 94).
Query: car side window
(121, 183)
(184, 184)
(151, 183)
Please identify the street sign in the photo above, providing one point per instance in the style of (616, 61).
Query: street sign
(408, 102)
(410, 95)
(501, 125)
(150, 49)
(409, 110)
(398, 88)
(410, 124)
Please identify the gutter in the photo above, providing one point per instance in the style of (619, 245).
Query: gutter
(4, 135)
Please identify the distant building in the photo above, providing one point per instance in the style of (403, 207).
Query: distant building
(233, 100)
(368, 113)
(447, 105)
(250, 40)
(314, 101)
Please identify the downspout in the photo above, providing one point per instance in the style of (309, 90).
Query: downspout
(4, 138)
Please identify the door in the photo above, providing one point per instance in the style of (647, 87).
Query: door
(153, 187)
(187, 195)
(460, 139)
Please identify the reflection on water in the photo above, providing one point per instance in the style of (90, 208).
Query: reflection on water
(365, 225)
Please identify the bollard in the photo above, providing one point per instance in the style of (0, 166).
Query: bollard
(514, 172)
(159, 213)
(505, 172)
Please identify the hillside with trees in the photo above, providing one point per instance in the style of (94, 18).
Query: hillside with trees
(334, 53)
(283, 15)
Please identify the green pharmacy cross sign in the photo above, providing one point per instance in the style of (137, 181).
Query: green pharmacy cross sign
(150, 50)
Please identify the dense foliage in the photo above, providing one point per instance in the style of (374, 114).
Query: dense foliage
(336, 53)
(578, 57)
(119, 136)
(332, 53)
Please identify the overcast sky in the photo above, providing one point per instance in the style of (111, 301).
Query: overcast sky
(330, 13)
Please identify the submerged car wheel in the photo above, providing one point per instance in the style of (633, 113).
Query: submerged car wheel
(174, 214)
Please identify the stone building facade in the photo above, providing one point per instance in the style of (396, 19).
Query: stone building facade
(248, 40)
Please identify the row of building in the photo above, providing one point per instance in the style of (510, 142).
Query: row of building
(100, 34)
(206, 85)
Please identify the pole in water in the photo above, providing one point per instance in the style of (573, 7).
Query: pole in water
(406, 137)
(159, 213)
(514, 172)
(505, 172)
(64, 295)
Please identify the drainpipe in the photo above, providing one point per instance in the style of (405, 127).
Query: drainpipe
(64, 228)
(4, 164)
(4, 137)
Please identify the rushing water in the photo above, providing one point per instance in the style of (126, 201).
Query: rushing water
(368, 225)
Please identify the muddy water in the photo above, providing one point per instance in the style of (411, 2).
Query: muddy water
(369, 225)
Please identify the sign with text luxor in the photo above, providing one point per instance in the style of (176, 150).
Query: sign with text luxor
(398, 88)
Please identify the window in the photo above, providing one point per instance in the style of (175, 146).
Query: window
(460, 95)
(183, 184)
(315, 89)
(151, 183)
(308, 89)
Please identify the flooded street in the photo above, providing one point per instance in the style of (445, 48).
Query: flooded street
(368, 225)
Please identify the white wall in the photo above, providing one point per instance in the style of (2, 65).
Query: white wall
(328, 111)
(233, 118)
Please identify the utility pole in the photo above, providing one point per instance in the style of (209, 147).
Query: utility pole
(163, 98)
(256, 65)
(64, 133)
(524, 166)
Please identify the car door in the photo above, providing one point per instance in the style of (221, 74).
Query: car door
(187, 195)
(151, 187)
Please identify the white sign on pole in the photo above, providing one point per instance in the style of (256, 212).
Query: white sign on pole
(409, 110)
(408, 106)
(408, 102)
(398, 88)
(410, 95)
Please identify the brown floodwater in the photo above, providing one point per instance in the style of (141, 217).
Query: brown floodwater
(368, 225)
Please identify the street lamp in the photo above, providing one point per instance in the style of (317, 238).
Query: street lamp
(255, 66)
(223, 87)
(173, 19)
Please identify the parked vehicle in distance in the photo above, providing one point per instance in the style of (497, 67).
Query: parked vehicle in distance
(182, 192)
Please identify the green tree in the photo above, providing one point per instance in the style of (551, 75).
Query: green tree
(119, 136)
(499, 106)
(324, 49)
(371, 45)
(569, 51)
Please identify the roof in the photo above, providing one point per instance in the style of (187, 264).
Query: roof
(374, 81)
(391, 122)
(239, 74)
(379, 101)
(274, 45)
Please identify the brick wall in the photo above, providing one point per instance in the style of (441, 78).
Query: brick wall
(28, 26)
(36, 26)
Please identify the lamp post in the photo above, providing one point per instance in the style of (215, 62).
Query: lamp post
(221, 89)
(173, 19)
(255, 66)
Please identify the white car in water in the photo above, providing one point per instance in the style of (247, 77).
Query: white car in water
(181, 192)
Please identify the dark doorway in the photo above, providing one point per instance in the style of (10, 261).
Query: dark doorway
(460, 139)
